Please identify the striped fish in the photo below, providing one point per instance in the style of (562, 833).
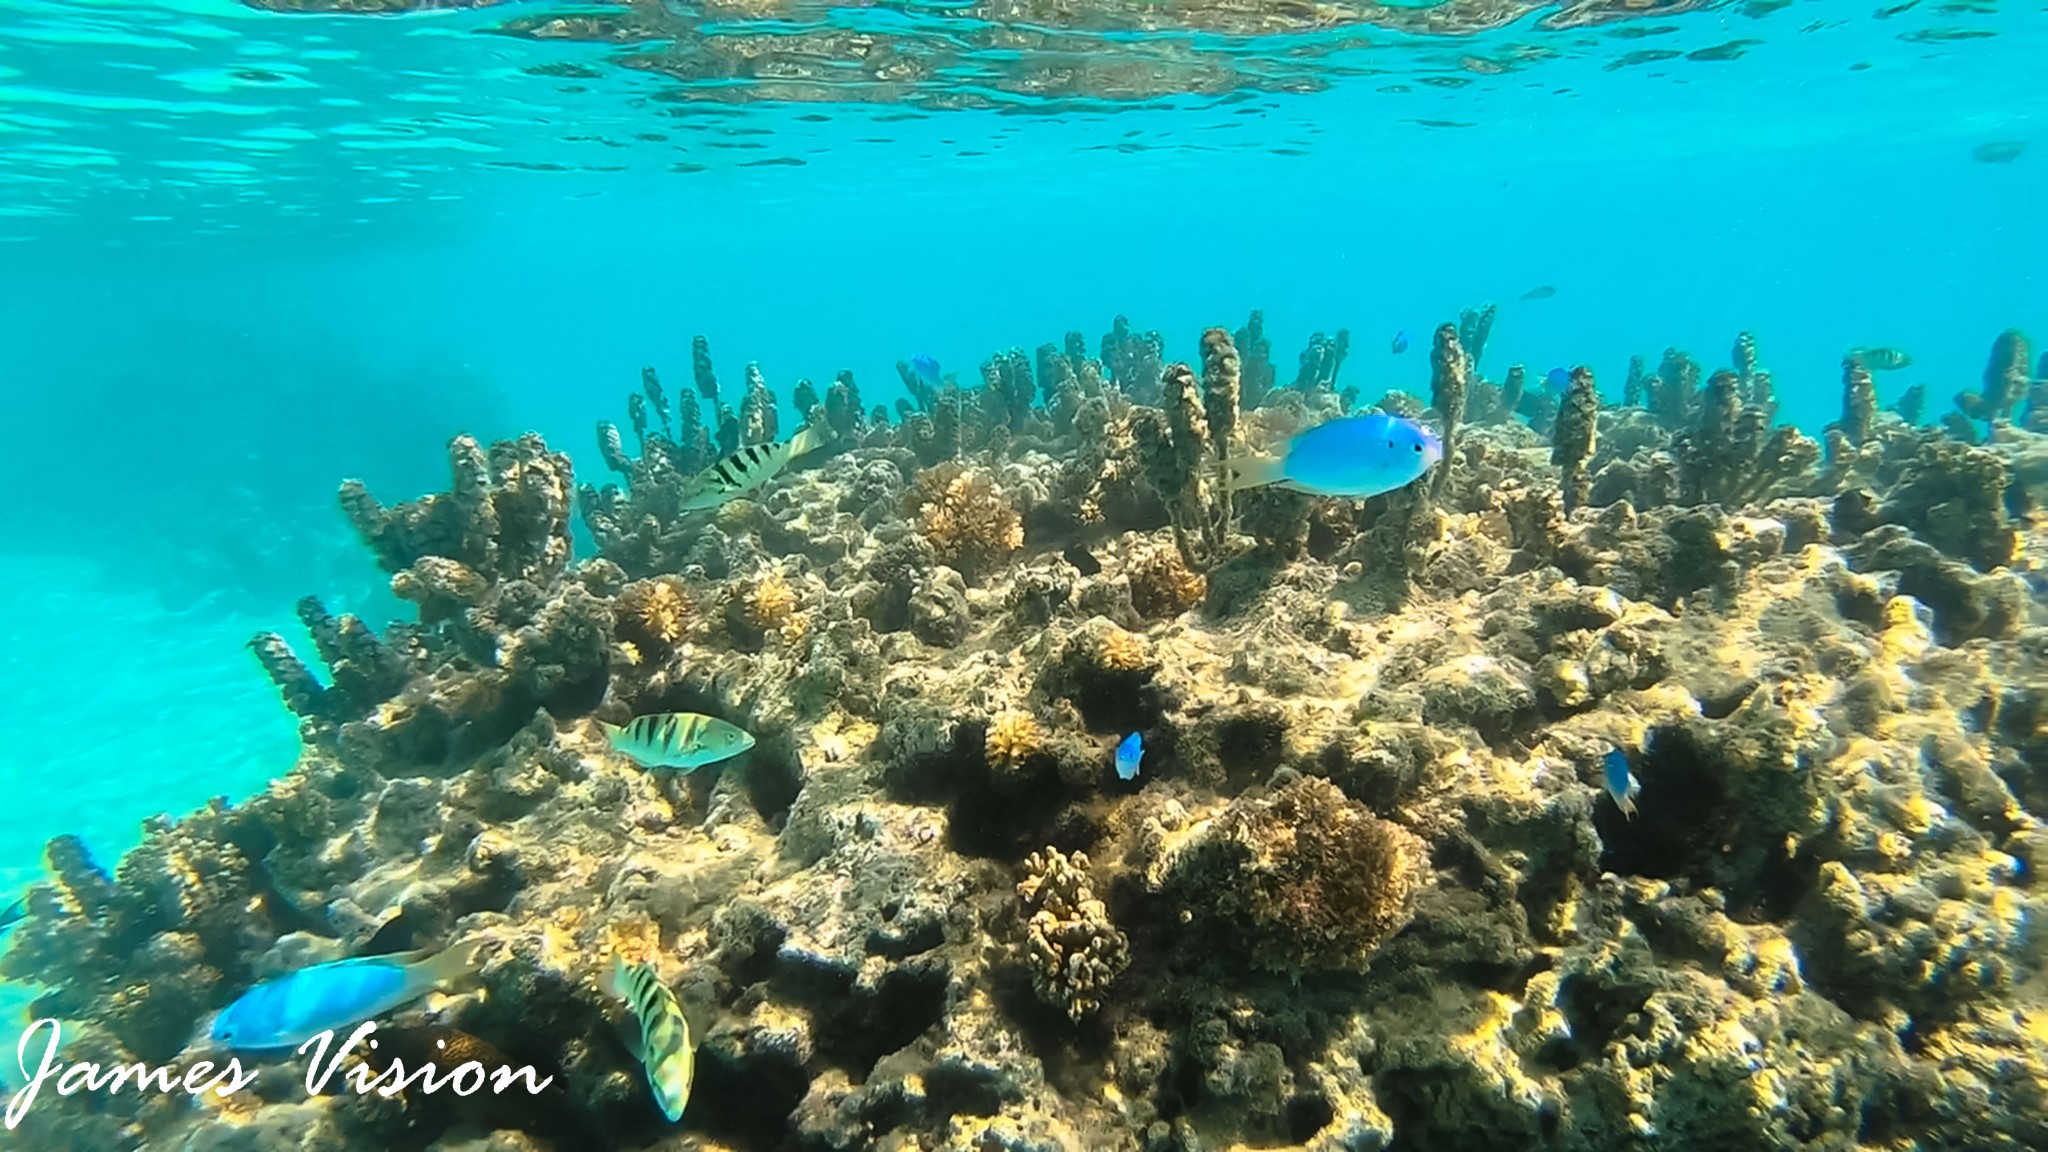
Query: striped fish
(685, 740)
(749, 468)
(666, 1048)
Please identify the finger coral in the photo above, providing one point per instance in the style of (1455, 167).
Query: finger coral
(1075, 952)
(970, 524)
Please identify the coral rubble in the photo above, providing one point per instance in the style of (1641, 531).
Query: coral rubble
(1369, 889)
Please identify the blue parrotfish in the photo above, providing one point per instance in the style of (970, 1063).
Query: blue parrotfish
(1557, 381)
(1400, 344)
(1128, 754)
(685, 740)
(1622, 785)
(664, 1045)
(748, 469)
(927, 369)
(1351, 456)
(289, 1010)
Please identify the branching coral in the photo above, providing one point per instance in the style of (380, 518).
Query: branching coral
(969, 522)
(1075, 950)
(771, 602)
(1953, 496)
(506, 515)
(1726, 457)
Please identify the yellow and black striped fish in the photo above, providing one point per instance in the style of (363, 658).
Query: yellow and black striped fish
(685, 740)
(666, 1048)
(749, 468)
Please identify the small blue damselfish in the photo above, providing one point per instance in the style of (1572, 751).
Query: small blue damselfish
(1128, 754)
(927, 369)
(1622, 786)
(1351, 456)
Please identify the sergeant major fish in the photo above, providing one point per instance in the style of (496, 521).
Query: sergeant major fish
(749, 468)
(1128, 755)
(685, 740)
(1881, 359)
(1351, 456)
(289, 1010)
(1622, 785)
(665, 1048)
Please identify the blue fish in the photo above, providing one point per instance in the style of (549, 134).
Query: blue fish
(13, 914)
(1352, 456)
(1400, 342)
(927, 369)
(288, 1011)
(1622, 785)
(1128, 754)
(1557, 381)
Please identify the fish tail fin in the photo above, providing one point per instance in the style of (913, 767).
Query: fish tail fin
(458, 962)
(1244, 472)
(809, 439)
(1628, 806)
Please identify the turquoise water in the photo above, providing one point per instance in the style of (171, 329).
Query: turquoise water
(245, 254)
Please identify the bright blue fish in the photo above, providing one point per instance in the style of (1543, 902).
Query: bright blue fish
(293, 1008)
(927, 369)
(1400, 342)
(1557, 381)
(1128, 754)
(1353, 456)
(1622, 785)
(13, 914)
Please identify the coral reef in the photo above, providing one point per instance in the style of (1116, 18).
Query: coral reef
(1369, 888)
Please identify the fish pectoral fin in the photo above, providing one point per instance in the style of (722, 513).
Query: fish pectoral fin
(457, 962)
(1251, 472)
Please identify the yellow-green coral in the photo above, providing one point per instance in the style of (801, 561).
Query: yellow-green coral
(771, 602)
(653, 615)
(1075, 951)
(1013, 737)
(970, 524)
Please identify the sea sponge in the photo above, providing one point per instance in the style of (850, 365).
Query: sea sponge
(771, 602)
(654, 615)
(1163, 586)
(1013, 737)
(1075, 950)
(970, 524)
(1305, 877)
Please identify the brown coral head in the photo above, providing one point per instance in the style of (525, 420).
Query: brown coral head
(1163, 586)
(654, 615)
(969, 522)
(1309, 876)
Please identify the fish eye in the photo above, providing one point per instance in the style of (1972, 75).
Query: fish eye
(1418, 447)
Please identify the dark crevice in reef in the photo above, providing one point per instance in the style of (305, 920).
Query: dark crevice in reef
(1702, 818)
(1000, 814)
(745, 1098)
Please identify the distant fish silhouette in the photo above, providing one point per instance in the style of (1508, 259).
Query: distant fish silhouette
(1881, 359)
(1540, 292)
(1557, 380)
(1998, 152)
(1400, 343)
